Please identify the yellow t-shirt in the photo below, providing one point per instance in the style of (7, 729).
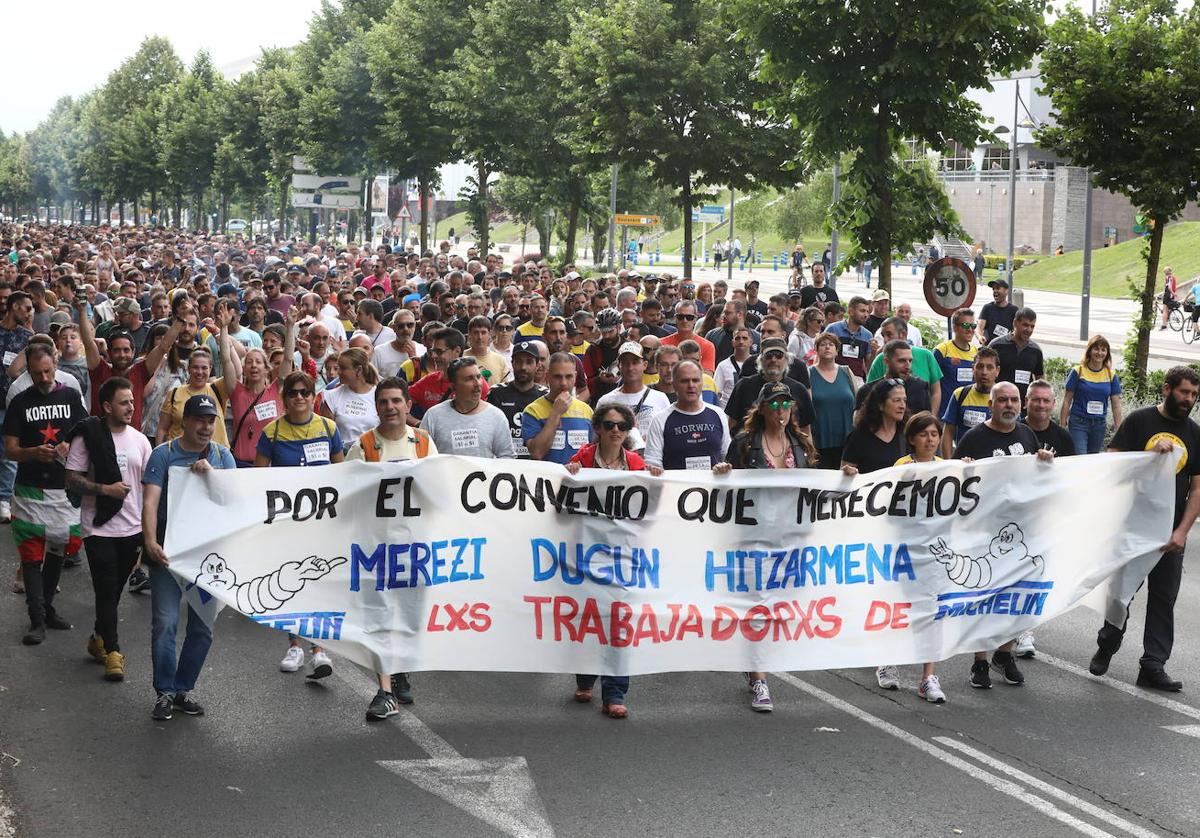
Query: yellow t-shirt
(177, 398)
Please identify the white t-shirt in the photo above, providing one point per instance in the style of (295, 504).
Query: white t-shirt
(655, 401)
(353, 412)
(336, 330)
(133, 452)
(388, 360)
(384, 336)
(727, 375)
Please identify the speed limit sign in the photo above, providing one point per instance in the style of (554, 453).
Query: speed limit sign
(949, 285)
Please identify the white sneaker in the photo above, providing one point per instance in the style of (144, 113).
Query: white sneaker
(1025, 645)
(931, 690)
(322, 666)
(293, 660)
(888, 677)
(761, 703)
(5, 512)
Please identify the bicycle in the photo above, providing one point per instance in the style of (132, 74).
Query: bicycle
(1175, 319)
(1189, 329)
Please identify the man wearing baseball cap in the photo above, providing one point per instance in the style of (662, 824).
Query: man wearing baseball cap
(175, 674)
(881, 302)
(996, 318)
(633, 393)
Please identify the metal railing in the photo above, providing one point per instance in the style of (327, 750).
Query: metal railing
(995, 175)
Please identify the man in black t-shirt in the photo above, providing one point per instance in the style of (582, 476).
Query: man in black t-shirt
(1039, 407)
(1161, 428)
(1021, 358)
(773, 364)
(45, 524)
(996, 317)
(898, 357)
(514, 397)
(1000, 435)
(818, 293)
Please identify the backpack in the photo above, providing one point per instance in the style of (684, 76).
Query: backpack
(372, 448)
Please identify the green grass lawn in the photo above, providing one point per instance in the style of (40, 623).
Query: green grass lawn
(1112, 265)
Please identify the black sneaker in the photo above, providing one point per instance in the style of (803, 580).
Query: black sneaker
(139, 581)
(1100, 662)
(1158, 679)
(401, 689)
(162, 707)
(72, 561)
(55, 621)
(189, 705)
(35, 635)
(981, 679)
(1006, 665)
(383, 705)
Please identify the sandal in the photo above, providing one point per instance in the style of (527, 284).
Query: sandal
(615, 711)
(583, 696)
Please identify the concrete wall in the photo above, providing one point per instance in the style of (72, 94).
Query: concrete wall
(982, 207)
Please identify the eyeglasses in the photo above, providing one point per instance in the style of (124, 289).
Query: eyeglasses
(780, 404)
(965, 325)
(297, 394)
(685, 317)
(437, 353)
(615, 426)
(504, 328)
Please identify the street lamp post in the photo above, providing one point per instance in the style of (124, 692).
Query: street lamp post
(1012, 180)
(1086, 292)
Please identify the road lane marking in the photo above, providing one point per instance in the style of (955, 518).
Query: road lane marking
(1044, 787)
(999, 784)
(1128, 689)
(1186, 730)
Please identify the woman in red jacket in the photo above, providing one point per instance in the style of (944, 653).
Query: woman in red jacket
(610, 451)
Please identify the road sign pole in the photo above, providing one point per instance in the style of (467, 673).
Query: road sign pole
(612, 219)
(1012, 182)
(729, 268)
(833, 234)
(1085, 306)
(703, 240)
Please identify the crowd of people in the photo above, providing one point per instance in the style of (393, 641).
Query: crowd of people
(128, 351)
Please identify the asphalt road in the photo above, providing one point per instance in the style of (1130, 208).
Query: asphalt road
(494, 754)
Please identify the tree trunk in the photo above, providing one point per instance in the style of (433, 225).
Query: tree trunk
(283, 190)
(154, 207)
(423, 192)
(599, 241)
(572, 228)
(200, 222)
(368, 220)
(883, 190)
(481, 221)
(135, 212)
(178, 209)
(1145, 321)
(121, 212)
(686, 200)
(224, 211)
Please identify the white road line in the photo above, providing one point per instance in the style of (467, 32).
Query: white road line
(975, 772)
(420, 733)
(1052, 791)
(1128, 689)
(1186, 730)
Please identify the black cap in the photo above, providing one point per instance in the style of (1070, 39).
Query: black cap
(526, 347)
(1002, 283)
(774, 390)
(200, 405)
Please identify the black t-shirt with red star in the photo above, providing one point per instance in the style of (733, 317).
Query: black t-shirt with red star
(36, 419)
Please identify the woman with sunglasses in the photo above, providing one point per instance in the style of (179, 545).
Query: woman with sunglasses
(923, 433)
(771, 439)
(611, 450)
(352, 403)
(255, 399)
(502, 337)
(300, 437)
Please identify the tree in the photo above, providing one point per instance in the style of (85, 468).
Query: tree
(805, 209)
(1124, 87)
(661, 82)
(278, 92)
(883, 72)
(241, 161)
(409, 53)
(16, 184)
(189, 130)
(754, 214)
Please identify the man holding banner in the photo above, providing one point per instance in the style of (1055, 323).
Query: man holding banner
(1161, 428)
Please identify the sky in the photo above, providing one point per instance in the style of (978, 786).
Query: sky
(68, 47)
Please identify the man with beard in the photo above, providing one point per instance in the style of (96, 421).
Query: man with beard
(1000, 435)
(121, 353)
(446, 347)
(523, 390)
(599, 362)
(14, 337)
(558, 340)
(732, 316)
(45, 524)
(773, 364)
(465, 424)
(1161, 428)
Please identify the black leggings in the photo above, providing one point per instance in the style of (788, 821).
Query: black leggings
(111, 560)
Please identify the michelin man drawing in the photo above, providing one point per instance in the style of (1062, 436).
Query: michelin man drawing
(263, 593)
(1007, 547)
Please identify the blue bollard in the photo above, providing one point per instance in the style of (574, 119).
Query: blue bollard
(758, 259)
(774, 263)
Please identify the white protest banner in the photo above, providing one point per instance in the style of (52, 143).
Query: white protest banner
(465, 564)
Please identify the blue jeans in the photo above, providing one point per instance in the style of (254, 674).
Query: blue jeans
(174, 674)
(8, 471)
(612, 687)
(1087, 432)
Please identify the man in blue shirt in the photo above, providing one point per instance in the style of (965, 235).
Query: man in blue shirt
(175, 676)
(856, 352)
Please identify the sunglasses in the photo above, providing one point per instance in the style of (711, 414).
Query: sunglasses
(780, 404)
(966, 325)
(297, 394)
(504, 328)
(612, 426)
(685, 317)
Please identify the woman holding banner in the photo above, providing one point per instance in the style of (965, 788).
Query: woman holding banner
(923, 433)
(770, 439)
(611, 450)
